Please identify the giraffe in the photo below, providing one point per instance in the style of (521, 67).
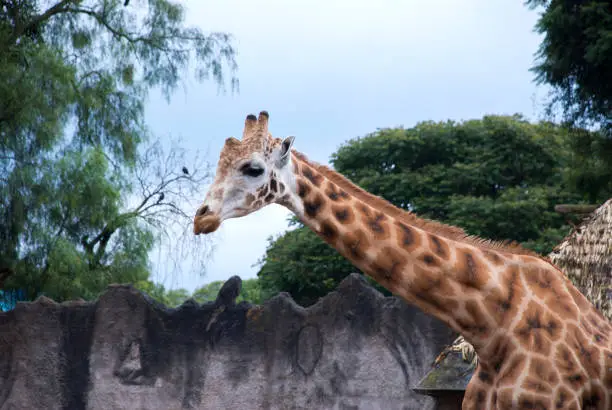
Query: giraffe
(540, 343)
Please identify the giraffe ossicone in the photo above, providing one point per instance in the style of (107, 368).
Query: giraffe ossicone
(540, 342)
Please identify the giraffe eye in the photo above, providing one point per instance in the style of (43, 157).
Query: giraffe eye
(251, 171)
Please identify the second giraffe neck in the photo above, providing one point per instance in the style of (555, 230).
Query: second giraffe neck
(443, 277)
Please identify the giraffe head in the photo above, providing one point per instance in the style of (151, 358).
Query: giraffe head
(252, 173)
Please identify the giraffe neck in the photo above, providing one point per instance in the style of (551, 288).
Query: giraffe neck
(407, 255)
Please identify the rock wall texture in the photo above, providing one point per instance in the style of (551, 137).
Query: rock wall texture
(354, 349)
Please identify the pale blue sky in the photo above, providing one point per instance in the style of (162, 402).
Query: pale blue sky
(328, 71)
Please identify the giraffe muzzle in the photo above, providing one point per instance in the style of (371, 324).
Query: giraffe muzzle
(205, 224)
(205, 221)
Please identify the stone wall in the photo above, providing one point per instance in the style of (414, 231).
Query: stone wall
(354, 349)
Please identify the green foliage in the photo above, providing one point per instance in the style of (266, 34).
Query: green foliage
(498, 178)
(575, 57)
(73, 144)
(250, 292)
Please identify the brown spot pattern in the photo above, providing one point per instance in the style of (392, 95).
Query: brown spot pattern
(313, 206)
(310, 175)
(329, 231)
(503, 302)
(532, 401)
(249, 199)
(343, 214)
(408, 237)
(356, 243)
(377, 222)
(334, 193)
(493, 257)
(303, 188)
(589, 355)
(536, 329)
(389, 263)
(470, 272)
(511, 369)
(439, 246)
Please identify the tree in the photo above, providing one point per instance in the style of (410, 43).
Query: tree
(499, 178)
(73, 142)
(250, 292)
(575, 58)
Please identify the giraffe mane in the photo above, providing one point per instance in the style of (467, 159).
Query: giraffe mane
(448, 231)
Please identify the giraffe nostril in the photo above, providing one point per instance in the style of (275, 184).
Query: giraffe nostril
(202, 211)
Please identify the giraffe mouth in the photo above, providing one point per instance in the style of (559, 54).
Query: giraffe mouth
(205, 224)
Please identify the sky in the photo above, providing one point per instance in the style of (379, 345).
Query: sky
(329, 71)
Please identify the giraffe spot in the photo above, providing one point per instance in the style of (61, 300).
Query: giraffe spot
(539, 386)
(481, 396)
(599, 322)
(542, 370)
(497, 351)
(429, 259)
(475, 310)
(356, 243)
(313, 206)
(470, 272)
(408, 238)
(334, 193)
(531, 401)
(273, 185)
(576, 379)
(567, 365)
(263, 192)
(579, 299)
(511, 369)
(504, 399)
(558, 301)
(257, 204)
(343, 214)
(329, 231)
(281, 187)
(484, 376)
(600, 339)
(388, 264)
(303, 188)
(249, 199)
(313, 177)
(284, 200)
(532, 331)
(562, 397)
(433, 288)
(593, 397)
(502, 302)
(439, 246)
(607, 381)
(377, 225)
(269, 197)
(589, 355)
(493, 257)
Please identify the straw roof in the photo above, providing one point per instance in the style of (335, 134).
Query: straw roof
(586, 257)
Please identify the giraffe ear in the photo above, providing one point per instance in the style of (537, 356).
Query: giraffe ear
(285, 151)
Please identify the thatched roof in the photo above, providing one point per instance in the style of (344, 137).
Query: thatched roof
(586, 257)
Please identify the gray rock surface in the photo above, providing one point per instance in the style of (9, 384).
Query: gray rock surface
(354, 349)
